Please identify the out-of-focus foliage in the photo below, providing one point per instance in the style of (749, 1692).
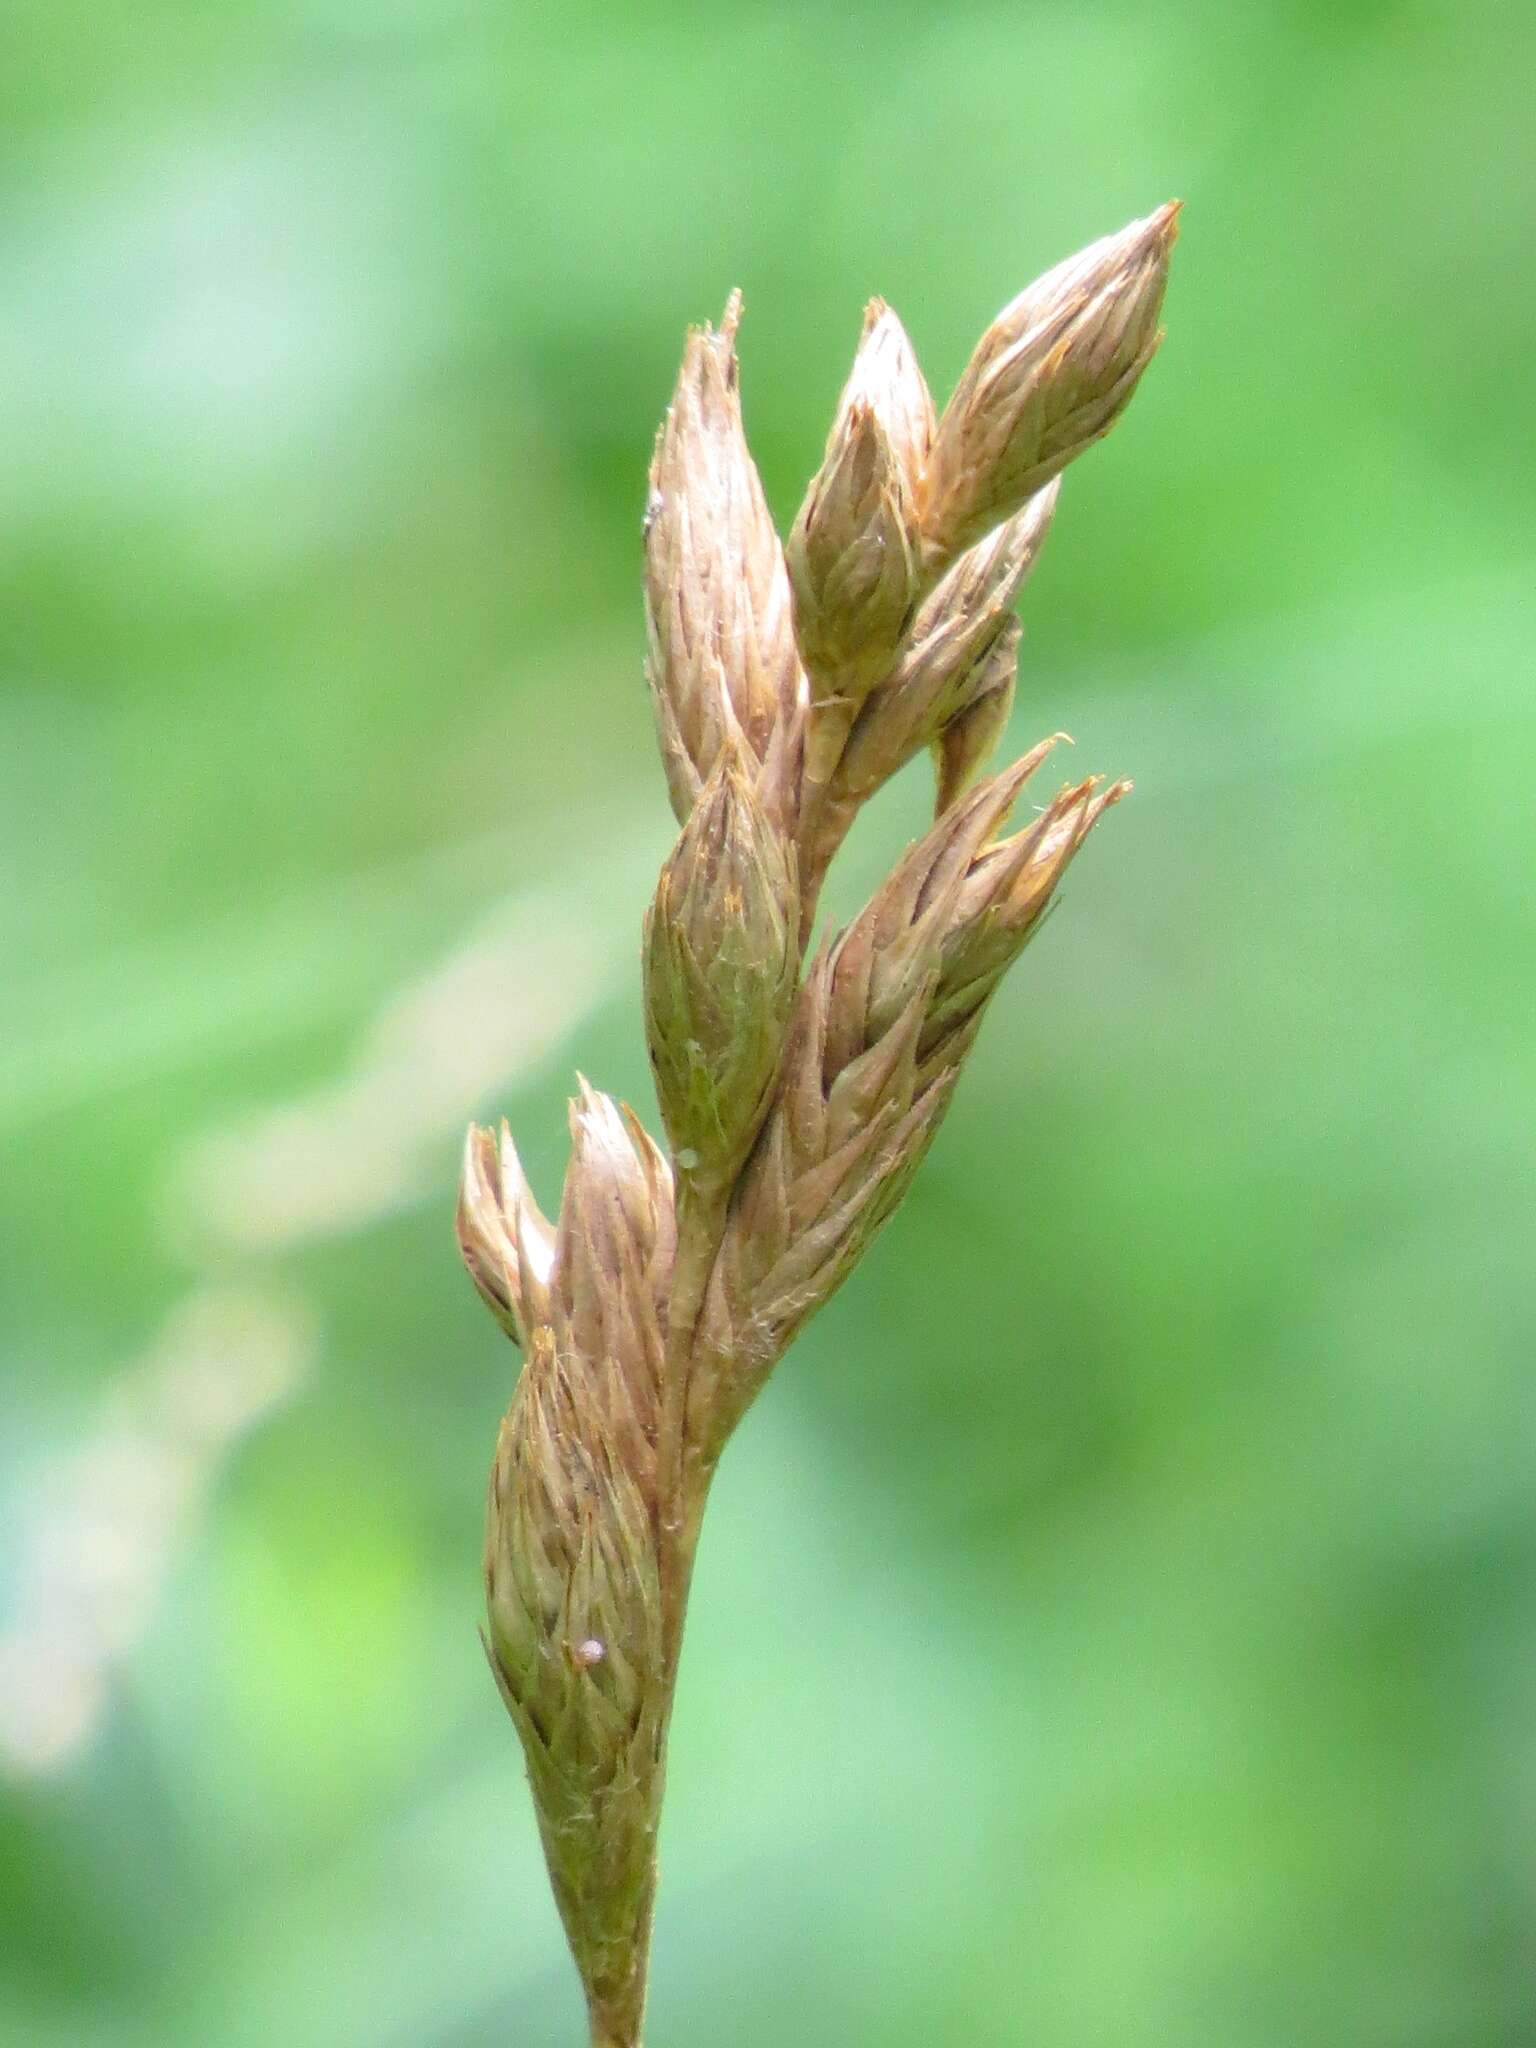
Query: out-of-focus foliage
(1116, 1624)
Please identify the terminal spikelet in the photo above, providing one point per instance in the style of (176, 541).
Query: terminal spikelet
(722, 660)
(1050, 376)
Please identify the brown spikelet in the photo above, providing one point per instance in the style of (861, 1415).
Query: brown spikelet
(572, 1582)
(720, 958)
(1050, 376)
(722, 649)
(962, 648)
(880, 1032)
(852, 550)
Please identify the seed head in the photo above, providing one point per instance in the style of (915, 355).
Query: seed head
(650, 1314)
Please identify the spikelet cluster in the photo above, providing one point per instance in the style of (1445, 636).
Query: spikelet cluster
(789, 682)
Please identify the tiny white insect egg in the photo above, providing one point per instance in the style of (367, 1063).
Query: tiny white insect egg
(590, 1652)
(687, 1159)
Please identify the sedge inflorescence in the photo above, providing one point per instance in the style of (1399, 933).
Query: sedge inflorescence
(790, 681)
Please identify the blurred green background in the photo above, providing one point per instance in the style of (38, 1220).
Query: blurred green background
(1117, 1625)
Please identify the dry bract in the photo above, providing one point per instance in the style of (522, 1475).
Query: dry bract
(796, 1108)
